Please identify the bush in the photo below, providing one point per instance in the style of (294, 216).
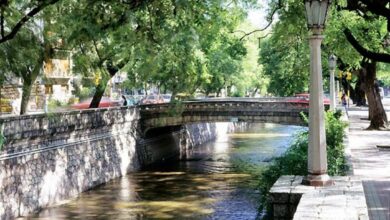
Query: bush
(84, 92)
(294, 160)
(54, 104)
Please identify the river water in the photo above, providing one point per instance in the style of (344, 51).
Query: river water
(218, 181)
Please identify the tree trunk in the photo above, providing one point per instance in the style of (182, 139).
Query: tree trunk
(97, 97)
(28, 80)
(173, 96)
(360, 95)
(111, 71)
(229, 91)
(26, 92)
(254, 92)
(348, 87)
(377, 114)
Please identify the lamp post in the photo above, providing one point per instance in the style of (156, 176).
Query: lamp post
(332, 67)
(337, 91)
(316, 11)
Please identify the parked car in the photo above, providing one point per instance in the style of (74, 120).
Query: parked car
(152, 99)
(304, 99)
(132, 100)
(166, 97)
(104, 103)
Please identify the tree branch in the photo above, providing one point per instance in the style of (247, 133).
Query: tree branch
(257, 30)
(41, 5)
(271, 19)
(379, 57)
(136, 3)
(101, 61)
(2, 21)
(378, 7)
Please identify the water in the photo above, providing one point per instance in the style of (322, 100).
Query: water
(218, 181)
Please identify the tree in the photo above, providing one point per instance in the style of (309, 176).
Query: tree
(285, 54)
(357, 33)
(14, 15)
(190, 46)
(23, 56)
(102, 34)
(368, 34)
(252, 78)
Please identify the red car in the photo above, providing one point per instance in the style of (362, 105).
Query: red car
(304, 99)
(104, 103)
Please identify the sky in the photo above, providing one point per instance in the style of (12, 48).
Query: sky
(257, 17)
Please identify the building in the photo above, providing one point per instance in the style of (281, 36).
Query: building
(57, 77)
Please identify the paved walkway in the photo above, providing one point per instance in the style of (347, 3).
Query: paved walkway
(370, 163)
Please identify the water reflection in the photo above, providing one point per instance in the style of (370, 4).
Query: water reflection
(216, 182)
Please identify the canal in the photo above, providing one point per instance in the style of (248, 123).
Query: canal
(217, 181)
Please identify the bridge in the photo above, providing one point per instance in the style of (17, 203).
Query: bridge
(277, 110)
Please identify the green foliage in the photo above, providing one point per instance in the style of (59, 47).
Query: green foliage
(251, 80)
(176, 108)
(335, 132)
(2, 138)
(285, 55)
(20, 55)
(383, 74)
(84, 92)
(305, 118)
(179, 46)
(294, 160)
(54, 105)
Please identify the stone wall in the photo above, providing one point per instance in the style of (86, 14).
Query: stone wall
(344, 199)
(50, 158)
(193, 135)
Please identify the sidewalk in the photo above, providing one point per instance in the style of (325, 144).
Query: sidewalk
(370, 163)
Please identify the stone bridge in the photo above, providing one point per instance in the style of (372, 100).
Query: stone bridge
(249, 110)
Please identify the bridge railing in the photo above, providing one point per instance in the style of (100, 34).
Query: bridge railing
(231, 105)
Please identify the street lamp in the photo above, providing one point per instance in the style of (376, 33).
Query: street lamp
(316, 11)
(332, 67)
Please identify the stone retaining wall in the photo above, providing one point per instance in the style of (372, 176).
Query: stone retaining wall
(342, 200)
(195, 134)
(50, 158)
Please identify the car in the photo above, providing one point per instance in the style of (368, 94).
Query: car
(105, 102)
(152, 99)
(132, 100)
(303, 98)
(166, 97)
